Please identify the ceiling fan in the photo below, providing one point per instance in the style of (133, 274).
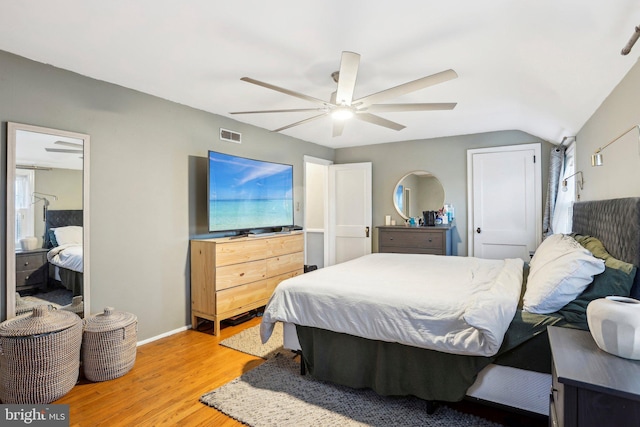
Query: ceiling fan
(342, 106)
(77, 148)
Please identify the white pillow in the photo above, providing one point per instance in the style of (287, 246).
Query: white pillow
(67, 235)
(559, 271)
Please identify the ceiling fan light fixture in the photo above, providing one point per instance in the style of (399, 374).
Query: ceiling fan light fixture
(342, 113)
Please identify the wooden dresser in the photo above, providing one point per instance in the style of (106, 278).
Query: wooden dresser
(32, 270)
(232, 276)
(591, 388)
(415, 240)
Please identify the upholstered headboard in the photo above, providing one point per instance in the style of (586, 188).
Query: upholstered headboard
(616, 222)
(60, 218)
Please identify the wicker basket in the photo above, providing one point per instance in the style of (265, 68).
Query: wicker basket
(76, 306)
(109, 344)
(39, 356)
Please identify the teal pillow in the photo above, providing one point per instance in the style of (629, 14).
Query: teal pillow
(52, 238)
(611, 281)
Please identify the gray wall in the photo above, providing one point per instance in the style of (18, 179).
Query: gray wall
(619, 176)
(148, 181)
(445, 158)
(66, 185)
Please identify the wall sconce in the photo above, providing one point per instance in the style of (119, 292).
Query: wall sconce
(580, 182)
(40, 197)
(596, 157)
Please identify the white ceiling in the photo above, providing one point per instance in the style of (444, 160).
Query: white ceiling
(541, 66)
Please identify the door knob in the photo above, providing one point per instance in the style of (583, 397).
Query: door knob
(478, 230)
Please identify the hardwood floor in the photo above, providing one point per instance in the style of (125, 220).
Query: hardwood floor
(164, 386)
(170, 375)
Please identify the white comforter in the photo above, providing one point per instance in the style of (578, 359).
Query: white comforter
(67, 256)
(453, 304)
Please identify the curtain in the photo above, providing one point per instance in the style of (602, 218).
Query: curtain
(556, 169)
(561, 220)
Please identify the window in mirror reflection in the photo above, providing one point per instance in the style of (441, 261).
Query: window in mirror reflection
(24, 206)
(400, 197)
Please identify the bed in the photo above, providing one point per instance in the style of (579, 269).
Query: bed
(513, 371)
(63, 238)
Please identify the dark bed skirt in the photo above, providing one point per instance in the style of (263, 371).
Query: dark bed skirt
(390, 369)
(72, 280)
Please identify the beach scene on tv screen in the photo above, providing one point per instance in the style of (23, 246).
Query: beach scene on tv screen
(248, 194)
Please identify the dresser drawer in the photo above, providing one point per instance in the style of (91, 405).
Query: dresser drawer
(421, 240)
(285, 245)
(23, 276)
(236, 252)
(239, 274)
(284, 264)
(239, 296)
(30, 262)
(275, 281)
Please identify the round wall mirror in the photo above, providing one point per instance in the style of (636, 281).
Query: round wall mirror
(416, 192)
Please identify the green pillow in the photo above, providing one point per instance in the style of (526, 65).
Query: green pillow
(598, 250)
(616, 279)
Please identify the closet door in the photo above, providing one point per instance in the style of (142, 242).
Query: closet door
(505, 206)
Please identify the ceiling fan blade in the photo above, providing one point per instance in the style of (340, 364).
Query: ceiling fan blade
(386, 108)
(300, 122)
(285, 91)
(338, 127)
(294, 110)
(62, 150)
(406, 88)
(347, 78)
(377, 120)
(69, 144)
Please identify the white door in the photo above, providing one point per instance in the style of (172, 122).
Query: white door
(505, 206)
(349, 212)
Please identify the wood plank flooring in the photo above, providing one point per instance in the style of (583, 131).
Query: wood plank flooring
(164, 386)
(170, 375)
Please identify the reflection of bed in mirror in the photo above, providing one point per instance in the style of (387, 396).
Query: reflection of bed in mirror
(517, 376)
(63, 238)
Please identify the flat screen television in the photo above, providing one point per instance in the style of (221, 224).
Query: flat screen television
(247, 195)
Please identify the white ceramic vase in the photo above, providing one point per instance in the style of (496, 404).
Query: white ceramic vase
(615, 325)
(29, 243)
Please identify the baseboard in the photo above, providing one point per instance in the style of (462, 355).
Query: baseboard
(166, 334)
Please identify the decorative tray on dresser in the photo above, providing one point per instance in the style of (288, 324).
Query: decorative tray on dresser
(591, 387)
(434, 240)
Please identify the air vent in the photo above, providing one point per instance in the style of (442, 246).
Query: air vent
(228, 135)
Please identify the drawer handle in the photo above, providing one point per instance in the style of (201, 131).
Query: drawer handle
(241, 274)
(26, 278)
(26, 263)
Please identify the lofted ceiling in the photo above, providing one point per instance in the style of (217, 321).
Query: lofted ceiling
(542, 67)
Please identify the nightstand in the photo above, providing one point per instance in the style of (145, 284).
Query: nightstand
(32, 269)
(590, 386)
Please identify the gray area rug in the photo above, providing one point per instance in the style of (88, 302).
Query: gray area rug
(275, 394)
(248, 341)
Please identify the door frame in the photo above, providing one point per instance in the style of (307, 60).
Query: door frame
(325, 197)
(537, 149)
